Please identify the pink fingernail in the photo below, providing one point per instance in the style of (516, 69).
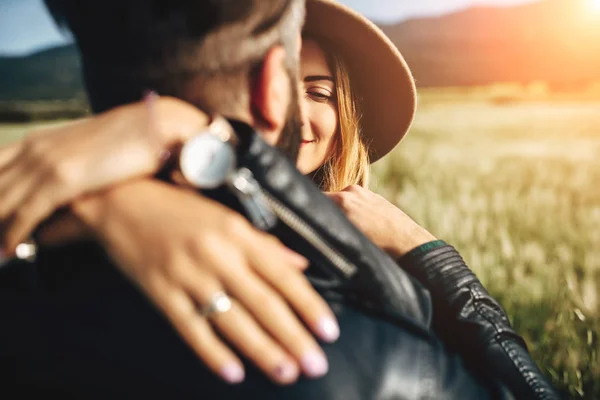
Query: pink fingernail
(233, 374)
(286, 372)
(297, 258)
(315, 365)
(328, 329)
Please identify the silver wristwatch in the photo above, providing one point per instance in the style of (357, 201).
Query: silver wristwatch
(208, 160)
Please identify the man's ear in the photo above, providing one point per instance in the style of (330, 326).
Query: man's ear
(271, 91)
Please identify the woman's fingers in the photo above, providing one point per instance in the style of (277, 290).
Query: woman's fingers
(14, 192)
(9, 153)
(196, 330)
(276, 281)
(213, 249)
(278, 319)
(336, 197)
(14, 187)
(38, 204)
(22, 185)
(297, 291)
(242, 330)
(288, 255)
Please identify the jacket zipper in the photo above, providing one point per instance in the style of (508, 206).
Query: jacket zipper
(263, 209)
(291, 219)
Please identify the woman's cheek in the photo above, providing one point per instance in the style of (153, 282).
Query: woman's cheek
(329, 128)
(322, 123)
(329, 119)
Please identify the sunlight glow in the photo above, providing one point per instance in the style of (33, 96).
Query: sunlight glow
(595, 5)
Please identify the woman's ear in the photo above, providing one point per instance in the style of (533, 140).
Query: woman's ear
(271, 92)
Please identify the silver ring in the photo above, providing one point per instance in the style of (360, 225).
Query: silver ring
(26, 251)
(219, 303)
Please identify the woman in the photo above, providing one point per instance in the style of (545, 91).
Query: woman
(340, 135)
(335, 154)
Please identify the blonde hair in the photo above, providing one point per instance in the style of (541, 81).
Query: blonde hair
(348, 163)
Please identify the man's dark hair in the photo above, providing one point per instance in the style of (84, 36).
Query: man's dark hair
(163, 44)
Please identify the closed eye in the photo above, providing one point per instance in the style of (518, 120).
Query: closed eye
(318, 88)
(319, 96)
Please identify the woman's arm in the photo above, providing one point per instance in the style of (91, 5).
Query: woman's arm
(51, 167)
(473, 324)
(466, 317)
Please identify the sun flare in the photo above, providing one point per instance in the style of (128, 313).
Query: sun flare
(595, 5)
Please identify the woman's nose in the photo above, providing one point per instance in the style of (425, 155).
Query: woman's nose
(303, 112)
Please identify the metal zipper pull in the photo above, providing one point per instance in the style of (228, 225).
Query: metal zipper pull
(248, 191)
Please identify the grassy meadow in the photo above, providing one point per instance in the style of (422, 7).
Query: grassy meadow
(508, 175)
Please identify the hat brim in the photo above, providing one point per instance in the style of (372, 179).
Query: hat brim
(377, 71)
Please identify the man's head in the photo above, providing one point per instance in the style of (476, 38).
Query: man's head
(238, 58)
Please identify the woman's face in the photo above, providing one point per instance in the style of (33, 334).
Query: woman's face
(319, 108)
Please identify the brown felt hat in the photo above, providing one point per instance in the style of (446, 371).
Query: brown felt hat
(377, 70)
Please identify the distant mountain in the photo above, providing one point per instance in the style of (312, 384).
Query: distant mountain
(45, 75)
(557, 41)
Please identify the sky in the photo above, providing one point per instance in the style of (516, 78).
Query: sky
(25, 25)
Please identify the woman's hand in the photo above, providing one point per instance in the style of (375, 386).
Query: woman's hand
(382, 222)
(181, 249)
(51, 167)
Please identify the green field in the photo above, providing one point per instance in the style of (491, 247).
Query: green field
(510, 180)
(513, 186)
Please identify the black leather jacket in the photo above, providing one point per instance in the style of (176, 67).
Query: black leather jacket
(88, 333)
(467, 319)
(472, 323)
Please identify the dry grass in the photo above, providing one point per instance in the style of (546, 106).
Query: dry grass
(513, 187)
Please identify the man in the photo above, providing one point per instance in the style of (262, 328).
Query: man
(101, 345)
(235, 58)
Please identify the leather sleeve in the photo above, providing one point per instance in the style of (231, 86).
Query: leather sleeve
(473, 324)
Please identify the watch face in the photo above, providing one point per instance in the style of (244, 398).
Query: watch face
(206, 161)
